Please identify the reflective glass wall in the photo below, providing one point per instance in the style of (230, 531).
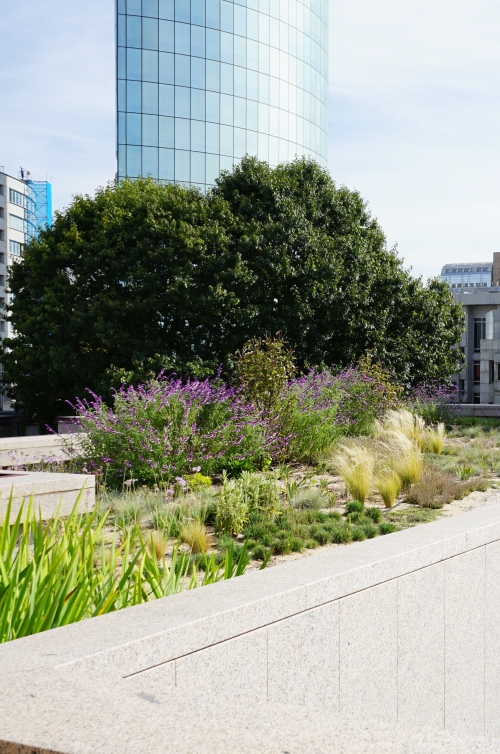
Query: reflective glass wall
(203, 82)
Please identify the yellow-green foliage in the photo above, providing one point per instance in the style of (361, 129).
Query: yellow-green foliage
(434, 439)
(355, 465)
(197, 481)
(157, 544)
(388, 484)
(402, 422)
(404, 456)
(195, 534)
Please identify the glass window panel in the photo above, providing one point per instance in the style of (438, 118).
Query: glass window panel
(274, 151)
(166, 36)
(226, 78)
(252, 143)
(274, 33)
(226, 163)
(134, 96)
(226, 47)
(292, 127)
(240, 51)
(284, 10)
(283, 66)
(150, 8)
(198, 135)
(226, 141)
(253, 4)
(134, 128)
(274, 62)
(283, 124)
(300, 130)
(182, 133)
(166, 132)
(150, 161)
(150, 33)
(122, 129)
(198, 41)
(183, 39)
(134, 70)
(134, 7)
(122, 161)
(292, 98)
(182, 70)
(213, 44)
(292, 70)
(264, 6)
(122, 6)
(133, 161)
(213, 76)
(283, 37)
(212, 11)
(166, 68)
(198, 73)
(149, 65)
(252, 24)
(252, 85)
(182, 102)
(166, 9)
(197, 104)
(212, 165)
(198, 12)
(150, 98)
(239, 143)
(226, 109)
(283, 99)
(166, 164)
(197, 167)
(264, 58)
(263, 28)
(213, 107)
(240, 112)
(263, 147)
(292, 41)
(263, 88)
(150, 130)
(252, 115)
(133, 31)
(122, 95)
(166, 100)
(182, 166)
(240, 21)
(274, 121)
(212, 134)
(226, 16)
(240, 82)
(122, 63)
(263, 125)
(122, 30)
(182, 10)
(252, 55)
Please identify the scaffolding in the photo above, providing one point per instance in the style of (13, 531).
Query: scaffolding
(38, 207)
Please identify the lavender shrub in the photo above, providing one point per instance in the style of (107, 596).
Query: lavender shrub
(430, 401)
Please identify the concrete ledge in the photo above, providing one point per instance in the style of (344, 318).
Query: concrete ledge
(481, 410)
(17, 451)
(403, 629)
(51, 492)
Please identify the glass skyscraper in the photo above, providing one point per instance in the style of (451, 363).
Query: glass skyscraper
(201, 83)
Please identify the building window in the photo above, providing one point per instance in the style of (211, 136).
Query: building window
(462, 388)
(2, 258)
(477, 373)
(479, 331)
(492, 372)
(2, 326)
(16, 223)
(1, 189)
(1, 235)
(2, 213)
(16, 248)
(476, 398)
(17, 198)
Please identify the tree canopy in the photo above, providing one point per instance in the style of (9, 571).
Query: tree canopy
(146, 276)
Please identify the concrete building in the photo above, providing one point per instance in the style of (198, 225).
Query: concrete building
(477, 288)
(201, 83)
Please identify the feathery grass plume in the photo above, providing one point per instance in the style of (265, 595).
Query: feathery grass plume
(157, 544)
(405, 457)
(195, 534)
(404, 422)
(355, 465)
(433, 440)
(312, 498)
(388, 484)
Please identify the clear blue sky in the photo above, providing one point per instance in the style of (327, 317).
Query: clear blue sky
(414, 112)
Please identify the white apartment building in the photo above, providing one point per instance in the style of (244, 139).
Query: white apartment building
(13, 198)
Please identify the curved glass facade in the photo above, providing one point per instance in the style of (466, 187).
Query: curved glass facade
(201, 83)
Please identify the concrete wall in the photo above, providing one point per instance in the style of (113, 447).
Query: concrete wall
(15, 451)
(403, 629)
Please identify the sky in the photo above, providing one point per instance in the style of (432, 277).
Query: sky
(414, 112)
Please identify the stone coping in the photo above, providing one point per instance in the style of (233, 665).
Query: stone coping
(142, 637)
(35, 448)
(51, 492)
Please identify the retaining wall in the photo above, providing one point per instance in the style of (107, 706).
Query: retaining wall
(403, 629)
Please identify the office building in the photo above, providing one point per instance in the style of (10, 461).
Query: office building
(201, 83)
(477, 288)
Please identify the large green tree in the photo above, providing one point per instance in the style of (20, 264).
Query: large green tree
(147, 276)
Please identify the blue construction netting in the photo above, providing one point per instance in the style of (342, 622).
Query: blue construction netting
(38, 207)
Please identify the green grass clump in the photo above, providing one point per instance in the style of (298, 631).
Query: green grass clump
(387, 528)
(375, 514)
(358, 534)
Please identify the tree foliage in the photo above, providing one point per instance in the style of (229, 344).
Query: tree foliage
(146, 276)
